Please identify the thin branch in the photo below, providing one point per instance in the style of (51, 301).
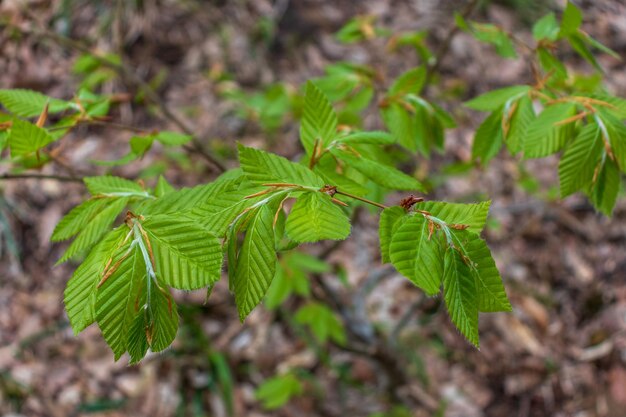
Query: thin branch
(40, 177)
(444, 47)
(365, 200)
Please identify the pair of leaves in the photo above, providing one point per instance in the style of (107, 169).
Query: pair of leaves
(430, 250)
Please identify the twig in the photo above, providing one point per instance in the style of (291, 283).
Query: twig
(445, 45)
(365, 200)
(40, 177)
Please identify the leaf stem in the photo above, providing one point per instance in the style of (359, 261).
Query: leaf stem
(365, 200)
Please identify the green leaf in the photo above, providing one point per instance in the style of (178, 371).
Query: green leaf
(551, 64)
(603, 193)
(187, 256)
(163, 325)
(488, 137)
(547, 134)
(319, 121)
(119, 298)
(323, 323)
(28, 103)
(139, 145)
(80, 293)
(114, 187)
(315, 217)
(381, 174)
(580, 159)
(77, 218)
(546, 28)
(137, 343)
(277, 391)
(417, 255)
(256, 264)
(518, 122)
(25, 138)
(493, 100)
(162, 187)
(262, 168)
(472, 215)
(367, 138)
(388, 218)
(412, 81)
(571, 20)
(614, 131)
(489, 288)
(173, 138)
(93, 231)
(460, 295)
(401, 124)
(579, 44)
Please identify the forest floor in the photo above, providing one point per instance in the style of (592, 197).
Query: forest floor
(562, 352)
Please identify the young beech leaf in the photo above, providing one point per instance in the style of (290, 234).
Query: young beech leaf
(80, 293)
(472, 215)
(261, 167)
(614, 132)
(315, 217)
(187, 257)
(488, 137)
(277, 391)
(255, 264)
(114, 187)
(603, 192)
(580, 159)
(493, 100)
(417, 254)
(518, 123)
(401, 124)
(27, 103)
(162, 187)
(97, 227)
(75, 221)
(319, 121)
(367, 138)
(546, 28)
(548, 133)
(25, 138)
(411, 82)
(459, 293)
(489, 288)
(121, 296)
(388, 218)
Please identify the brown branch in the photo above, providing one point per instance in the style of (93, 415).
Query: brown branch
(40, 177)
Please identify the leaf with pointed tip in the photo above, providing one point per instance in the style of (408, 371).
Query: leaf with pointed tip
(95, 229)
(488, 137)
(493, 100)
(489, 288)
(319, 121)
(118, 298)
(315, 217)
(417, 255)
(162, 187)
(459, 293)
(28, 103)
(547, 133)
(187, 257)
(80, 292)
(77, 218)
(25, 138)
(401, 125)
(522, 117)
(388, 218)
(615, 132)
(114, 186)
(163, 326)
(261, 167)
(367, 138)
(256, 262)
(410, 82)
(603, 193)
(580, 159)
